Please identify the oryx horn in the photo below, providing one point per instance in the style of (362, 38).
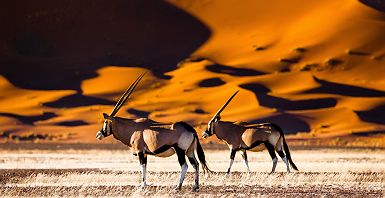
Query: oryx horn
(224, 106)
(125, 95)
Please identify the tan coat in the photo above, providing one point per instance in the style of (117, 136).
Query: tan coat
(241, 136)
(148, 136)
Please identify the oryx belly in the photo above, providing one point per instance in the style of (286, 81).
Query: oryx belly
(251, 136)
(258, 148)
(166, 153)
(160, 142)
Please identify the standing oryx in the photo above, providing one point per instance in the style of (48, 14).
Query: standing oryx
(147, 137)
(243, 137)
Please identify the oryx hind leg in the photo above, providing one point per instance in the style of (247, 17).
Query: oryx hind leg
(143, 164)
(279, 149)
(271, 150)
(182, 162)
(194, 162)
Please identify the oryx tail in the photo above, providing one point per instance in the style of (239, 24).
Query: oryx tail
(201, 155)
(286, 147)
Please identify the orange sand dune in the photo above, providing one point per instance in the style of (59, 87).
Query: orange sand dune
(316, 68)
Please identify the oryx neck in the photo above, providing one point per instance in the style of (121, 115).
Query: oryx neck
(221, 134)
(225, 130)
(122, 129)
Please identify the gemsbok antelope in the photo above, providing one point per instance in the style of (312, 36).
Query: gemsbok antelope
(249, 137)
(148, 137)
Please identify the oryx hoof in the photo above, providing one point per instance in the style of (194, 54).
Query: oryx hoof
(143, 186)
(178, 188)
(195, 189)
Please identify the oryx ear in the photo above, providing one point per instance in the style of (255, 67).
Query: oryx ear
(106, 116)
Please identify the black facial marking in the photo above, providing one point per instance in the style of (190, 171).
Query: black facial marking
(109, 126)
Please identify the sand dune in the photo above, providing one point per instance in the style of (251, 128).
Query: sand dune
(315, 68)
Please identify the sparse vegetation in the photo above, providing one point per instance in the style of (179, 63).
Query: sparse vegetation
(114, 173)
(34, 137)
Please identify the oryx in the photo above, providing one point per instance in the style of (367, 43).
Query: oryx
(148, 137)
(250, 137)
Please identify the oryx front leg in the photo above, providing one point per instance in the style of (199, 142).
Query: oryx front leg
(244, 156)
(143, 164)
(232, 156)
(182, 162)
(271, 150)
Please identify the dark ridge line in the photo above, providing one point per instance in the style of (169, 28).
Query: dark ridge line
(30, 120)
(233, 71)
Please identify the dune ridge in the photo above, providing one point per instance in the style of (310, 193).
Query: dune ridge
(314, 68)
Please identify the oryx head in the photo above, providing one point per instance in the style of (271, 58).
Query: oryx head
(108, 119)
(210, 126)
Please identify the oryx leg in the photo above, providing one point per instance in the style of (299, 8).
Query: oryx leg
(232, 156)
(143, 164)
(195, 164)
(271, 150)
(282, 154)
(182, 162)
(244, 156)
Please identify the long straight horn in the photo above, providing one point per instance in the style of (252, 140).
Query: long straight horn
(224, 106)
(125, 95)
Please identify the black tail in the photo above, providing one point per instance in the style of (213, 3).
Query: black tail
(201, 156)
(286, 147)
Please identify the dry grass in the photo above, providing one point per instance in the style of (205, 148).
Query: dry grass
(350, 173)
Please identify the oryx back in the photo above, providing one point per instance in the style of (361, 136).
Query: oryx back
(254, 136)
(160, 140)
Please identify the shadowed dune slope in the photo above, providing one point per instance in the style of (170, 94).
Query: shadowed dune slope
(56, 45)
(315, 68)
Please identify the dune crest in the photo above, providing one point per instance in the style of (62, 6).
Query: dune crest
(315, 68)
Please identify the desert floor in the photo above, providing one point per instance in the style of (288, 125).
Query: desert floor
(115, 173)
